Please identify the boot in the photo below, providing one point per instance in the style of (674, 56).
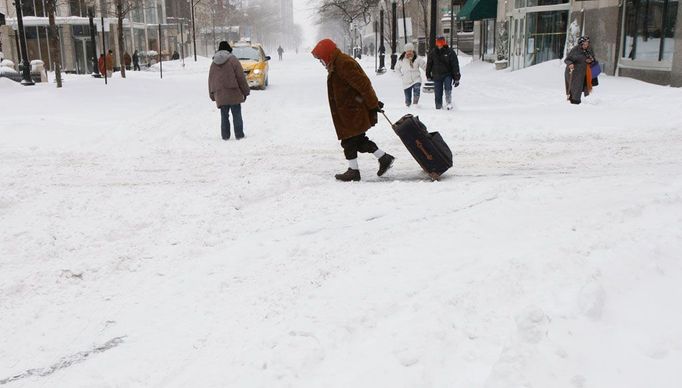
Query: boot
(415, 100)
(385, 162)
(348, 176)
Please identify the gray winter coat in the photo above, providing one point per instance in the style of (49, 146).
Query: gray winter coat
(576, 82)
(227, 83)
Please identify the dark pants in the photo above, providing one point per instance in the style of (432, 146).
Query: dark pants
(225, 121)
(440, 85)
(136, 66)
(355, 144)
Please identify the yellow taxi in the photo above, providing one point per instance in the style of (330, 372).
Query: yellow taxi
(255, 63)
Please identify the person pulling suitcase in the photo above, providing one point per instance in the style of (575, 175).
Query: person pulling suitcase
(354, 107)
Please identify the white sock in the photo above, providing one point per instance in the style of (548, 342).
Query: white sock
(353, 164)
(379, 153)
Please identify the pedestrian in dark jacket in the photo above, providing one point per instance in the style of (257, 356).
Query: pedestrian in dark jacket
(354, 107)
(227, 86)
(578, 74)
(442, 66)
(136, 61)
(280, 51)
(175, 56)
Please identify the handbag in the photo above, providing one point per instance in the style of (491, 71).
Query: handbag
(596, 69)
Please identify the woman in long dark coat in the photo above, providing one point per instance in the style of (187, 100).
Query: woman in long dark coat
(578, 74)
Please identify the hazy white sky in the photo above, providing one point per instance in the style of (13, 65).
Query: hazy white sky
(303, 16)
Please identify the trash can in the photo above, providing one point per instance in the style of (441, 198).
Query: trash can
(38, 73)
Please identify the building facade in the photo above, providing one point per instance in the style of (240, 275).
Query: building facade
(140, 25)
(641, 39)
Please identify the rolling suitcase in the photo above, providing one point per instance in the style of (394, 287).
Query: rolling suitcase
(427, 148)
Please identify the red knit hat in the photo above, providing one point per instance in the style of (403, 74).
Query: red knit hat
(324, 50)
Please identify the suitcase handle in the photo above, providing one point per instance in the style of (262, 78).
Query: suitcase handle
(387, 119)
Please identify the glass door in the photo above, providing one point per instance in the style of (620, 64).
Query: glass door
(517, 40)
(83, 56)
(546, 36)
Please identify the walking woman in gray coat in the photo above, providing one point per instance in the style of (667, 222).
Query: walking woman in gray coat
(227, 86)
(578, 73)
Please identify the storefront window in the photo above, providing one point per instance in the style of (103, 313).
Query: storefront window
(546, 36)
(150, 12)
(81, 31)
(28, 8)
(538, 3)
(649, 29)
(139, 39)
(78, 8)
(136, 13)
(128, 41)
(32, 42)
(159, 10)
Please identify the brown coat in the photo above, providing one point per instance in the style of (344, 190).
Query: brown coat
(227, 83)
(110, 62)
(351, 97)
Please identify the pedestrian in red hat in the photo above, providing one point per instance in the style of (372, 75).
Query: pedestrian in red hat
(442, 67)
(354, 107)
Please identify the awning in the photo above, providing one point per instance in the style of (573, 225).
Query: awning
(478, 10)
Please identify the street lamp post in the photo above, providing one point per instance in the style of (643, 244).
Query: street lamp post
(26, 69)
(95, 68)
(382, 48)
(394, 33)
(160, 56)
(432, 27)
(360, 44)
(104, 51)
(376, 41)
(182, 44)
(213, 24)
(351, 29)
(452, 22)
(194, 35)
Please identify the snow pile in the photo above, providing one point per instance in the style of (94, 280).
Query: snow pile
(138, 249)
(6, 83)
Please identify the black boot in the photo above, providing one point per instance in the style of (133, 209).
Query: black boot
(385, 162)
(349, 175)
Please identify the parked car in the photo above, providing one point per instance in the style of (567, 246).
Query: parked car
(255, 63)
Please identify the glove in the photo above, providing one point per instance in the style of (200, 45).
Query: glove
(379, 108)
(455, 83)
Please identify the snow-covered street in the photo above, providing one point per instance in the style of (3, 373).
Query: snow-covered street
(138, 249)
